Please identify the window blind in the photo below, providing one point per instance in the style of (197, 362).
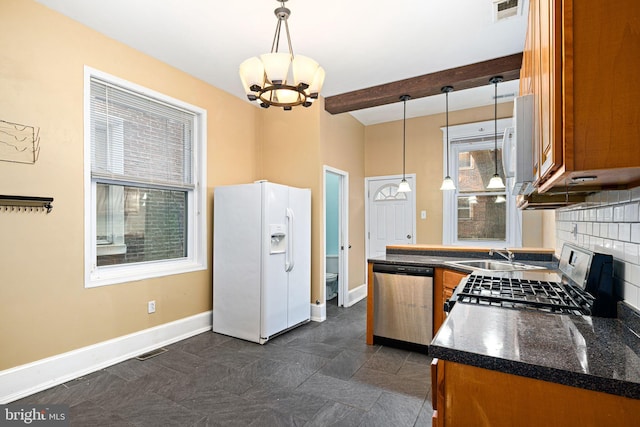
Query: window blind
(139, 139)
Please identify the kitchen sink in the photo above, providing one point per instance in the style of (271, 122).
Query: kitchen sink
(493, 265)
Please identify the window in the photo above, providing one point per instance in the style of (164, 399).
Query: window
(465, 160)
(144, 169)
(472, 214)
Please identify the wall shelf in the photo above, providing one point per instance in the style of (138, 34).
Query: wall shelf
(26, 203)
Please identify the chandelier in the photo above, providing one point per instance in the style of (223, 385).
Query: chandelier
(281, 79)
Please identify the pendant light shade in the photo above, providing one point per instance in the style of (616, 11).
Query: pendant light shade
(447, 183)
(496, 181)
(404, 185)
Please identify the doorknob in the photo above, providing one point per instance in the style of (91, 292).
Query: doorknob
(408, 236)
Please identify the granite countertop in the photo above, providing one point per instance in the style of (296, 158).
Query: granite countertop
(592, 353)
(441, 259)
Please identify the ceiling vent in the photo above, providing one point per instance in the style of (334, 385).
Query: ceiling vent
(503, 9)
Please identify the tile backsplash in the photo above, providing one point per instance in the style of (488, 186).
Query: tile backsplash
(608, 222)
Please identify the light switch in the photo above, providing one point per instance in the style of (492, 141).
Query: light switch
(423, 214)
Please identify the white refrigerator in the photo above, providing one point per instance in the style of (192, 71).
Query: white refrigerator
(261, 259)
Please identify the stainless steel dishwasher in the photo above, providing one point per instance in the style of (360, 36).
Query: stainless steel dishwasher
(403, 303)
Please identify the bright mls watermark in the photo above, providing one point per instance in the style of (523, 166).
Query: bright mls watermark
(34, 415)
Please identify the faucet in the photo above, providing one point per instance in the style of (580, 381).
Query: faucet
(508, 255)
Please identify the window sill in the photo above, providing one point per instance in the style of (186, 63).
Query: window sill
(115, 274)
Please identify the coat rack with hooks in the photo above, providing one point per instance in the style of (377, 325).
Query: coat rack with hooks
(12, 203)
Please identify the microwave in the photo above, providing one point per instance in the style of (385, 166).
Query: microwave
(517, 148)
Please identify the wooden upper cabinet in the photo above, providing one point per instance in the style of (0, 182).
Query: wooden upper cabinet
(580, 60)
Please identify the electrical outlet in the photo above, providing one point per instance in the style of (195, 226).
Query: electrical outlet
(151, 307)
(423, 214)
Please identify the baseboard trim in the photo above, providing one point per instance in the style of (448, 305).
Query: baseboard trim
(25, 380)
(356, 295)
(319, 312)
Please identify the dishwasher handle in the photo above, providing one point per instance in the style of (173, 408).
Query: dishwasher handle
(407, 270)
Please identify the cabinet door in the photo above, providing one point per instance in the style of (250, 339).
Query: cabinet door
(450, 279)
(534, 35)
(550, 89)
(437, 393)
(444, 283)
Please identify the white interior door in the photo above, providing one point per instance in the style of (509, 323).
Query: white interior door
(343, 231)
(391, 215)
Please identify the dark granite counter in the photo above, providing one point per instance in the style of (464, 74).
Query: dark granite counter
(440, 258)
(581, 351)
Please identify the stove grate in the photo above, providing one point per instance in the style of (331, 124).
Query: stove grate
(539, 295)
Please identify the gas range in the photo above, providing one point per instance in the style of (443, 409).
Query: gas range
(584, 287)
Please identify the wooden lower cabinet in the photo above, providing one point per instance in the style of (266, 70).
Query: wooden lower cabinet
(444, 282)
(464, 395)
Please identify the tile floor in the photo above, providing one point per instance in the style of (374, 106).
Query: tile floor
(320, 374)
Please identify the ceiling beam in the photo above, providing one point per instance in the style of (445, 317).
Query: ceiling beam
(465, 77)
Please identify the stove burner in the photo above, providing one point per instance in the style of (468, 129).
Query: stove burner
(553, 297)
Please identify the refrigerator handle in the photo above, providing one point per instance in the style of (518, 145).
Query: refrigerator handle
(288, 263)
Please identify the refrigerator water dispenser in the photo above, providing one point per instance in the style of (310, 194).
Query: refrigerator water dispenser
(278, 238)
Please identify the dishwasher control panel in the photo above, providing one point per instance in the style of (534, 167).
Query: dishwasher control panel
(410, 270)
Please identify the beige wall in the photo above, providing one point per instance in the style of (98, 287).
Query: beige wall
(424, 157)
(44, 307)
(342, 147)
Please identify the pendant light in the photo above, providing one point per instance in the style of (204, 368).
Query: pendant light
(281, 79)
(496, 182)
(404, 185)
(447, 183)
